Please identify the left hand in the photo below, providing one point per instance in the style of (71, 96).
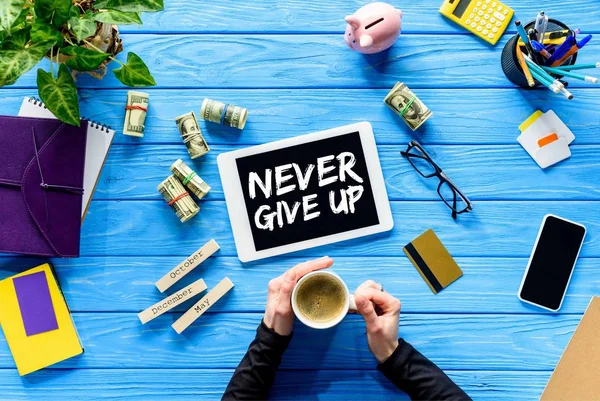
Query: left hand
(279, 315)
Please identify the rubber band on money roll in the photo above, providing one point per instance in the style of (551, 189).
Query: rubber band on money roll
(189, 178)
(136, 108)
(179, 197)
(410, 102)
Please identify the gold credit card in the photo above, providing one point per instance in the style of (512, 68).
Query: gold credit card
(433, 261)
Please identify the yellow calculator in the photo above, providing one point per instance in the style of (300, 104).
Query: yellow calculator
(487, 19)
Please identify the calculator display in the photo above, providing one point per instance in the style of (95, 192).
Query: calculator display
(461, 8)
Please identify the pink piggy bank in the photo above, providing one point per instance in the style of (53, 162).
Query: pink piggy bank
(373, 28)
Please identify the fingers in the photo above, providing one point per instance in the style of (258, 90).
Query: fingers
(307, 267)
(289, 281)
(369, 284)
(365, 308)
(385, 301)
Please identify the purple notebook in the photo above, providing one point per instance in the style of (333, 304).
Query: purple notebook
(41, 186)
(35, 303)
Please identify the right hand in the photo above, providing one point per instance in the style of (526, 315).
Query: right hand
(382, 324)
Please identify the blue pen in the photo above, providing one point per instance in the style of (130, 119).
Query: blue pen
(540, 48)
(562, 49)
(584, 41)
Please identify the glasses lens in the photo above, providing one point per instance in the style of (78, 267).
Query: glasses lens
(448, 194)
(421, 162)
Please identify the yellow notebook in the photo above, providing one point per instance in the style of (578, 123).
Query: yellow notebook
(44, 347)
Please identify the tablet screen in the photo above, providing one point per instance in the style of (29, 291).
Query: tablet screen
(307, 191)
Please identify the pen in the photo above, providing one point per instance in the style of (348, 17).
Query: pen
(541, 24)
(577, 67)
(524, 37)
(540, 48)
(571, 74)
(525, 68)
(562, 49)
(533, 36)
(571, 51)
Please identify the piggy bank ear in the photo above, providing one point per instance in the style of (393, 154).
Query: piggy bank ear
(353, 21)
(366, 41)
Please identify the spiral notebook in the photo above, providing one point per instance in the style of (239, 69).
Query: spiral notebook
(99, 139)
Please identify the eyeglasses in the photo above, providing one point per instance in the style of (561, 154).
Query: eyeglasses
(422, 162)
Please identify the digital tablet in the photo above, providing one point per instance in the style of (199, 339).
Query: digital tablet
(304, 192)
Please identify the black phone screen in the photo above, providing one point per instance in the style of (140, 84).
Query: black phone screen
(552, 263)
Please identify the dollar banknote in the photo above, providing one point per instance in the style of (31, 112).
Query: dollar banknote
(191, 135)
(175, 195)
(190, 179)
(135, 115)
(221, 113)
(407, 105)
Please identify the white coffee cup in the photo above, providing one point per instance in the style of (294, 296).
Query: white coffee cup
(350, 305)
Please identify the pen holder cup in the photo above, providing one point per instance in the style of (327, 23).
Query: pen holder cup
(510, 64)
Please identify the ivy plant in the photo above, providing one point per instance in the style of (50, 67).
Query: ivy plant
(67, 33)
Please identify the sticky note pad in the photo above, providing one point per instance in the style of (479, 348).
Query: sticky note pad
(547, 140)
(433, 262)
(34, 352)
(35, 303)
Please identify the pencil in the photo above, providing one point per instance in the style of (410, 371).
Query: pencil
(546, 82)
(578, 67)
(585, 78)
(523, 64)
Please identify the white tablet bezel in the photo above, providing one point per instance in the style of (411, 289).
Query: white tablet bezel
(236, 207)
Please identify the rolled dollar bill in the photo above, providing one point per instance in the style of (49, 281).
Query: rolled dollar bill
(135, 115)
(221, 113)
(407, 105)
(190, 179)
(178, 198)
(191, 135)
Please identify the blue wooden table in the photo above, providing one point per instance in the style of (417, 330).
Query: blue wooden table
(286, 61)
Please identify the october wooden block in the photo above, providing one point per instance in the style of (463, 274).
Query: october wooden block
(202, 306)
(172, 301)
(189, 264)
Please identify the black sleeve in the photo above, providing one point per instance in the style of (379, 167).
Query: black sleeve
(256, 372)
(418, 377)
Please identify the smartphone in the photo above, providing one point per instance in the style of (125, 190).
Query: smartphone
(551, 264)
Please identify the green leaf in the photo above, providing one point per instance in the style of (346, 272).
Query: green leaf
(118, 17)
(83, 27)
(14, 63)
(83, 59)
(16, 41)
(130, 5)
(10, 10)
(60, 95)
(42, 32)
(135, 72)
(55, 12)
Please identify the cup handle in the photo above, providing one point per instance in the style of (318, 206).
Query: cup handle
(352, 307)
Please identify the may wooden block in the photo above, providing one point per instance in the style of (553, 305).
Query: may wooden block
(202, 306)
(172, 301)
(187, 265)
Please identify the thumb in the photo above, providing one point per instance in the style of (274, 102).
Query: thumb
(365, 308)
(289, 280)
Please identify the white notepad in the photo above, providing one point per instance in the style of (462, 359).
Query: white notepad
(99, 139)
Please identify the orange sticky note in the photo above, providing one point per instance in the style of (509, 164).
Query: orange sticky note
(547, 140)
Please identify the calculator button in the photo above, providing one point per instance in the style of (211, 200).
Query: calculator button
(472, 15)
(494, 29)
(480, 13)
(478, 3)
(505, 12)
(491, 36)
(499, 8)
(482, 23)
(473, 25)
(487, 16)
(498, 23)
(494, 4)
(477, 19)
(492, 20)
(475, 9)
(484, 7)
(479, 29)
(499, 16)
(489, 26)
(468, 22)
(485, 31)
(488, 1)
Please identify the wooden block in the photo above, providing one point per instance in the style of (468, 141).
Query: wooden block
(202, 306)
(187, 265)
(172, 301)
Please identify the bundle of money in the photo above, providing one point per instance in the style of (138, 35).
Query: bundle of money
(191, 134)
(190, 179)
(135, 115)
(176, 196)
(407, 105)
(222, 113)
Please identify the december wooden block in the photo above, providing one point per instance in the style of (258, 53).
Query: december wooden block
(172, 301)
(189, 264)
(202, 306)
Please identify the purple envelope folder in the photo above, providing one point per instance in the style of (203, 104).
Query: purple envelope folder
(41, 186)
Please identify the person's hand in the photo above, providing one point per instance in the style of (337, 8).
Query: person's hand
(381, 312)
(279, 315)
